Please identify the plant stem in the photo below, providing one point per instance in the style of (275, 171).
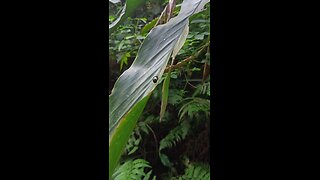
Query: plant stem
(188, 59)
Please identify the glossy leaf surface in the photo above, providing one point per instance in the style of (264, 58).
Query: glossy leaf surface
(133, 88)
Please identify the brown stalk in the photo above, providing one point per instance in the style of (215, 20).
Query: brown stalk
(188, 59)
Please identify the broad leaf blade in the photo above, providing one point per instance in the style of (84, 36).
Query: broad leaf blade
(180, 42)
(165, 87)
(133, 88)
(153, 55)
(122, 133)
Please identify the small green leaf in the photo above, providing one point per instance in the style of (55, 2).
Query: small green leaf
(134, 149)
(147, 175)
(120, 45)
(195, 69)
(199, 37)
(129, 37)
(124, 60)
(149, 26)
(174, 76)
(140, 37)
(165, 160)
(165, 94)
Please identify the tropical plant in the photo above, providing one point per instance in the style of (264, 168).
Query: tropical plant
(133, 169)
(155, 44)
(195, 172)
(175, 135)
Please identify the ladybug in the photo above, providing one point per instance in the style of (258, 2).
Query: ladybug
(155, 79)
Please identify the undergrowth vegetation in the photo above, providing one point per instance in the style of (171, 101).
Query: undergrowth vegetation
(177, 146)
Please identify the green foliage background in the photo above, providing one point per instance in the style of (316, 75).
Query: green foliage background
(178, 146)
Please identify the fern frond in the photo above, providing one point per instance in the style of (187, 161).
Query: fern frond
(176, 96)
(194, 107)
(133, 169)
(202, 89)
(175, 135)
(205, 89)
(133, 142)
(195, 172)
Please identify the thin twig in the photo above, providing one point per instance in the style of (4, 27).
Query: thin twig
(155, 138)
(189, 82)
(188, 59)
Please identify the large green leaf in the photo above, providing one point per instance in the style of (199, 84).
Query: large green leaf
(153, 55)
(121, 135)
(166, 83)
(132, 89)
